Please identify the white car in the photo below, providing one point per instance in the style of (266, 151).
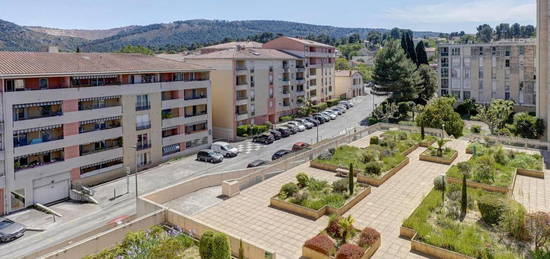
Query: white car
(225, 149)
(306, 123)
(329, 114)
(300, 126)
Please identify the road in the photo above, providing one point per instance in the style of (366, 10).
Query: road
(170, 173)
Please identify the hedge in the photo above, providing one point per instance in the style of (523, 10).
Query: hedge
(250, 130)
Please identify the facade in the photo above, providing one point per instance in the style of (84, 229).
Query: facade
(500, 70)
(85, 118)
(543, 62)
(349, 84)
(318, 65)
(251, 86)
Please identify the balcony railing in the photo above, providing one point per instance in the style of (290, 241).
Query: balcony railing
(195, 97)
(82, 107)
(42, 115)
(143, 107)
(82, 130)
(26, 142)
(97, 150)
(143, 126)
(142, 146)
(242, 97)
(188, 115)
(241, 67)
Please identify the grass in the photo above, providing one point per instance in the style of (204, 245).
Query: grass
(502, 175)
(470, 237)
(447, 152)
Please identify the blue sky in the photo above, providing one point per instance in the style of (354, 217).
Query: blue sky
(434, 15)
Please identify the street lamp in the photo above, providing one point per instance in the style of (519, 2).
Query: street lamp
(136, 169)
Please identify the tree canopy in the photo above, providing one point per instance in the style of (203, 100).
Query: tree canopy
(136, 49)
(496, 114)
(439, 113)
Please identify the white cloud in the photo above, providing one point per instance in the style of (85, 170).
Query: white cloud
(476, 11)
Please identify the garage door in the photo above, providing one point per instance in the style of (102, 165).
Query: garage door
(51, 192)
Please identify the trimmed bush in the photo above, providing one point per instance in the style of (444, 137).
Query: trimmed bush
(368, 237)
(372, 121)
(258, 129)
(242, 131)
(288, 190)
(322, 244)
(373, 168)
(374, 140)
(319, 107)
(349, 251)
(302, 179)
(214, 245)
(285, 118)
(475, 129)
(439, 183)
(491, 208)
(340, 186)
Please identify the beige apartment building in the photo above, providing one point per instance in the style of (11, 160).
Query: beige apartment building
(543, 62)
(499, 70)
(349, 84)
(250, 86)
(318, 65)
(84, 118)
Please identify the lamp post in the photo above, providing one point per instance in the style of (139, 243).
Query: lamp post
(136, 169)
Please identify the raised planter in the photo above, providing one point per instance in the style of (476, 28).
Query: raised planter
(506, 190)
(407, 232)
(325, 210)
(427, 249)
(312, 254)
(385, 176)
(531, 173)
(436, 159)
(324, 166)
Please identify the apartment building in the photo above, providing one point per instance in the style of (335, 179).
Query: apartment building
(318, 64)
(543, 62)
(84, 118)
(231, 45)
(251, 86)
(499, 70)
(349, 84)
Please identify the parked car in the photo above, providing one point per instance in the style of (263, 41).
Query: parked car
(276, 134)
(285, 132)
(335, 111)
(256, 163)
(306, 123)
(10, 230)
(225, 149)
(313, 121)
(280, 154)
(265, 138)
(342, 108)
(348, 104)
(331, 115)
(293, 129)
(299, 146)
(320, 117)
(209, 155)
(300, 126)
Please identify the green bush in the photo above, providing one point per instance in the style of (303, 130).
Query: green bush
(333, 102)
(374, 140)
(500, 156)
(258, 129)
(288, 190)
(242, 131)
(513, 220)
(439, 183)
(475, 129)
(303, 179)
(340, 186)
(491, 208)
(371, 155)
(372, 121)
(319, 107)
(373, 168)
(286, 118)
(214, 245)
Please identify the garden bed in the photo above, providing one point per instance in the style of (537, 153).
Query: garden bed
(430, 155)
(379, 180)
(437, 228)
(340, 239)
(318, 198)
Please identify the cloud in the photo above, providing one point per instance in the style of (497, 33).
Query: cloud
(476, 11)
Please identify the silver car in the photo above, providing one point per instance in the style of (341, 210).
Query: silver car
(297, 124)
(10, 230)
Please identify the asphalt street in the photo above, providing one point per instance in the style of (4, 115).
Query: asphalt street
(173, 172)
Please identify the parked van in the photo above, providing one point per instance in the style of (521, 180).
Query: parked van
(225, 149)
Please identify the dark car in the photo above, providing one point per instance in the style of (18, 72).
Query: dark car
(276, 134)
(285, 132)
(10, 230)
(209, 155)
(256, 163)
(264, 138)
(299, 146)
(280, 154)
(319, 118)
(323, 116)
(313, 120)
(293, 129)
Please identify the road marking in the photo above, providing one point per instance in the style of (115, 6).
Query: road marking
(248, 147)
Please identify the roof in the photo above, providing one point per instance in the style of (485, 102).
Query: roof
(345, 73)
(431, 49)
(46, 63)
(242, 54)
(309, 42)
(231, 45)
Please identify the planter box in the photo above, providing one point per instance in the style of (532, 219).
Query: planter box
(439, 160)
(325, 210)
(379, 181)
(312, 254)
(427, 143)
(506, 190)
(531, 173)
(435, 251)
(410, 150)
(324, 166)
(407, 232)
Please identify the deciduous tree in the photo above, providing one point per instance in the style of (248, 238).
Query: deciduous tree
(496, 114)
(439, 112)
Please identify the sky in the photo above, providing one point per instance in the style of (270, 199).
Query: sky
(420, 15)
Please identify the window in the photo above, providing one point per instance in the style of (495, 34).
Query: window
(480, 84)
(507, 63)
(481, 73)
(43, 83)
(508, 51)
(506, 96)
(466, 95)
(455, 51)
(142, 102)
(143, 122)
(480, 51)
(456, 94)
(522, 50)
(444, 93)
(444, 72)
(143, 141)
(143, 159)
(19, 85)
(444, 83)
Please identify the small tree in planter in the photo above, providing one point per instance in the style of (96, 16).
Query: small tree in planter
(440, 143)
(346, 224)
(464, 168)
(350, 176)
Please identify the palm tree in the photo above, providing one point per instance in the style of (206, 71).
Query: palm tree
(440, 144)
(347, 228)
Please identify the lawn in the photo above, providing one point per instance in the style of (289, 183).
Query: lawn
(441, 224)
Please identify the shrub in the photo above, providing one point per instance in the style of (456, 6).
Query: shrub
(513, 220)
(325, 156)
(374, 140)
(373, 168)
(334, 229)
(340, 186)
(242, 131)
(439, 183)
(485, 174)
(402, 135)
(491, 208)
(288, 190)
(500, 156)
(332, 150)
(214, 245)
(299, 198)
(349, 251)
(317, 185)
(285, 118)
(372, 121)
(370, 156)
(322, 244)
(475, 129)
(538, 227)
(333, 102)
(258, 129)
(368, 237)
(303, 180)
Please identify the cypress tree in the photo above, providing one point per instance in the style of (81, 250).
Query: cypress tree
(410, 48)
(350, 176)
(422, 57)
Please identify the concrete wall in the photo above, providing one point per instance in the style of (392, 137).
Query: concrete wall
(542, 61)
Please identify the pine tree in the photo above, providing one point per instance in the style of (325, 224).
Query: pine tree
(422, 57)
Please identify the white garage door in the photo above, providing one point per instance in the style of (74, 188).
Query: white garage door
(51, 192)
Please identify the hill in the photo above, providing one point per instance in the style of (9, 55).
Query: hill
(17, 38)
(84, 34)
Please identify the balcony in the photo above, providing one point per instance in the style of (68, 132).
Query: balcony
(143, 107)
(98, 125)
(36, 111)
(98, 103)
(195, 97)
(37, 136)
(100, 146)
(38, 160)
(143, 126)
(103, 167)
(143, 146)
